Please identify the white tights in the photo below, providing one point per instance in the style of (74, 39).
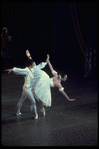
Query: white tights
(27, 92)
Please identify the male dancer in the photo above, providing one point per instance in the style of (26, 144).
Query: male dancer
(27, 87)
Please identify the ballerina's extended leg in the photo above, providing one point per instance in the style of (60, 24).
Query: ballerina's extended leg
(42, 108)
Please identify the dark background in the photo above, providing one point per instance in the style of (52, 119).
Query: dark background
(47, 27)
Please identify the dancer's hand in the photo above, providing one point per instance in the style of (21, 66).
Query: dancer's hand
(71, 99)
(47, 60)
(9, 70)
(28, 54)
(48, 56)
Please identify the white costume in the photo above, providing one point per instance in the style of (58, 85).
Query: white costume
(39, 80)
(28, 75)
(42, 84)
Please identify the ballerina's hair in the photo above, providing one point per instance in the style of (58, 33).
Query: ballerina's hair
(29, 62)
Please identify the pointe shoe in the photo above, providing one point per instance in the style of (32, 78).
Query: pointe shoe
(36, 117)
(43, 111)
(17, 114)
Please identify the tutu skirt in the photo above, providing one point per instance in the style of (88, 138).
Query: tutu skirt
(42, 88)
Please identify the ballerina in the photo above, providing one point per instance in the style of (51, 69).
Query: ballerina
(42, 85)
(57, 79)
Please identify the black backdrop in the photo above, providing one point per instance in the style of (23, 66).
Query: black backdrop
(47, 27)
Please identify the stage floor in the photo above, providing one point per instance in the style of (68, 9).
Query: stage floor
(65, 124)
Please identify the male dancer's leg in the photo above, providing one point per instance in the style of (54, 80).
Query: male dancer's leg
(22, 99)
(33, 103)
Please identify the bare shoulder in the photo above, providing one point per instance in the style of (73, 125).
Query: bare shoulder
(55, 75)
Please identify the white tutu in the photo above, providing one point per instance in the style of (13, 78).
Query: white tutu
(42, 88)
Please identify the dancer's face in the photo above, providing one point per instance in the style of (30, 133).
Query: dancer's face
(65, 78)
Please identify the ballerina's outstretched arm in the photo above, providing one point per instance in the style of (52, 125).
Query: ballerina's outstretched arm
(67, 96)
(50, 65)
(61, 89)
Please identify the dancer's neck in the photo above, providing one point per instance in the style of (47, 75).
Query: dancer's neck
(29, 68)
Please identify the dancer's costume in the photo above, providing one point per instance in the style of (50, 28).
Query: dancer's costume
(42, 84)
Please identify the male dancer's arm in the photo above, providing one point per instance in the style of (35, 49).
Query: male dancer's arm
(18, 71)
(41, 65)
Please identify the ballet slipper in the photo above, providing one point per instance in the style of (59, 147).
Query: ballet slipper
(36, 117)
(18, 114)
(43, 111)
